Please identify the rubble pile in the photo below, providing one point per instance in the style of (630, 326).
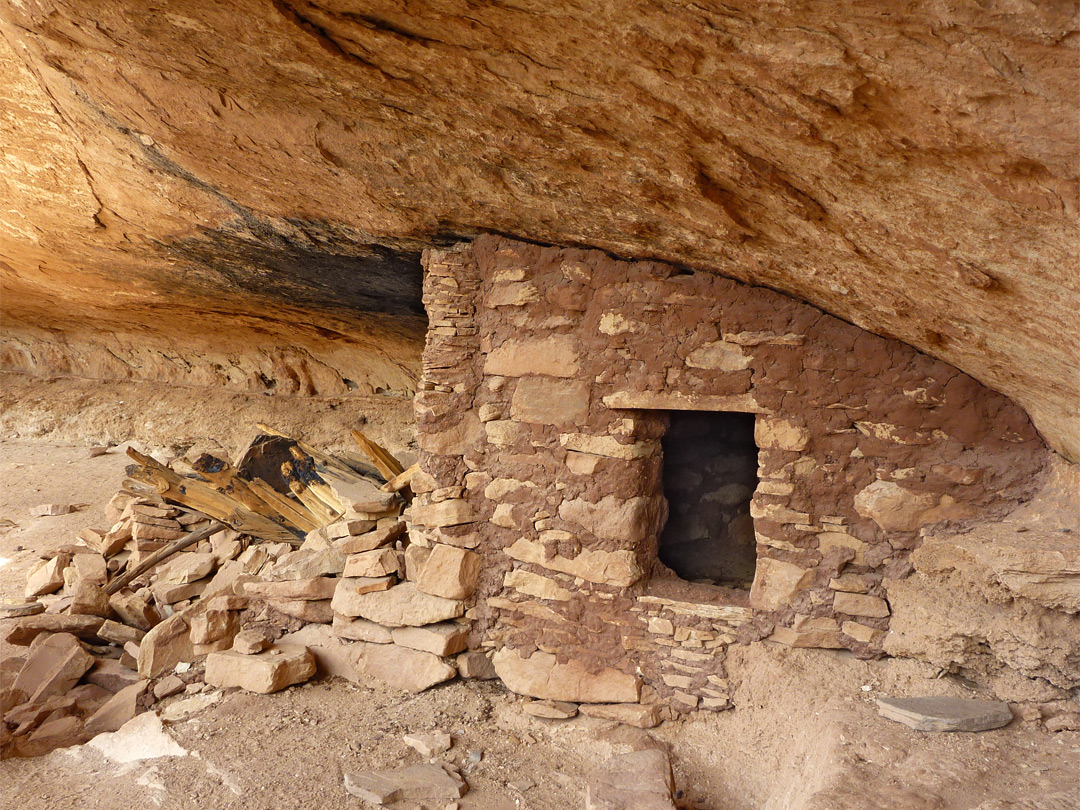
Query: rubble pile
(254, 575)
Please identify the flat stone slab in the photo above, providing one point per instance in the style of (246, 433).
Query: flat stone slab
(551, 709)
(13, 610)
(633, 714)
(640, 780)
(417, 783)
(946, 713)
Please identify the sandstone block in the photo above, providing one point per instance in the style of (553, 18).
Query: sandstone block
(120, 708)
(62, 732)
(499, 488)
(554, 356)
(144, 530)
(111, 675)
(607, 446)
(333, 657)
(165, 646)
(444, 638)
(361, 630)
(774, 433)
(168, 686)
(89, 600)
(777, 583)
(453, 512)
(540, 676)
(119, 633)
(51, 509)
(213, 625)
(23, 631)
(309, 564)
(849, 583)
(47, 577)
(627, 520)
(404, 668)
(250, 642)
(535, 585)
(547, 401)
(133, 610)
(312, 588)
(860, 632)
(90, 568)
(477, 666)
(269, 671)
(376, 563)
(632, 714)
(376, 538)
(414, 557)
(822, 632)
(226, 580)
(583, 463)
(16, 610)
(551, 709)
(511, 294)
(429, 744)
(53, 666)
(504, 516)
(857, 604)
(450, 441)
(893, 507)
(401, 605)
(167, 593)
(719, 355)
(228, 601)
(618, 568)
(830, 540)
(318, 611)
(449, 572)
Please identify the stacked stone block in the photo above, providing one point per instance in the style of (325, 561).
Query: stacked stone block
(548, 377)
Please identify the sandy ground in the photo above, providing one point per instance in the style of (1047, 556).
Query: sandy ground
(804, 735)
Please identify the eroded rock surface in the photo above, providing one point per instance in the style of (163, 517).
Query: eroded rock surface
(913, 173)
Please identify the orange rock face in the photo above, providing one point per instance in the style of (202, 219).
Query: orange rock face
(175, 172)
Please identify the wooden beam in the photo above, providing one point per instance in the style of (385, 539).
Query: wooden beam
(163, 554)
(204, 498)
(384, 462)
(400, 482)
(222, 474)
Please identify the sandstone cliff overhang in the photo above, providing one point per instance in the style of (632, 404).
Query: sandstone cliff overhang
(912, 171)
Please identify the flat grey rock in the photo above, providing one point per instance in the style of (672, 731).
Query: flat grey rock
(417, 782)
(946, 713)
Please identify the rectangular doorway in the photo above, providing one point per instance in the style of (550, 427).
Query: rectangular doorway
(710, 474)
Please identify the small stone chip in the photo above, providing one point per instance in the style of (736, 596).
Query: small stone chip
(946, 713)
(429, 744)
(250, 642)
(52, 509)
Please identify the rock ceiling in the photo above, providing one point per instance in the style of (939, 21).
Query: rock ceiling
(910, 167)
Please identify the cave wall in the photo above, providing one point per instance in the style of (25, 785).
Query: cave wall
(548, 376)
(910, 169)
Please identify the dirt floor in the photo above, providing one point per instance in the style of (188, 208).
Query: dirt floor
(804, 734)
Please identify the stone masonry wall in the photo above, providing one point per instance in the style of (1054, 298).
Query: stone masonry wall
(548, 375)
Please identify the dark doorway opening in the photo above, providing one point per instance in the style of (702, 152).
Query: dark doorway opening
(710, 473)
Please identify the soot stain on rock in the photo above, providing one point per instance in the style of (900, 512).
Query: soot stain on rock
(312, 267)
